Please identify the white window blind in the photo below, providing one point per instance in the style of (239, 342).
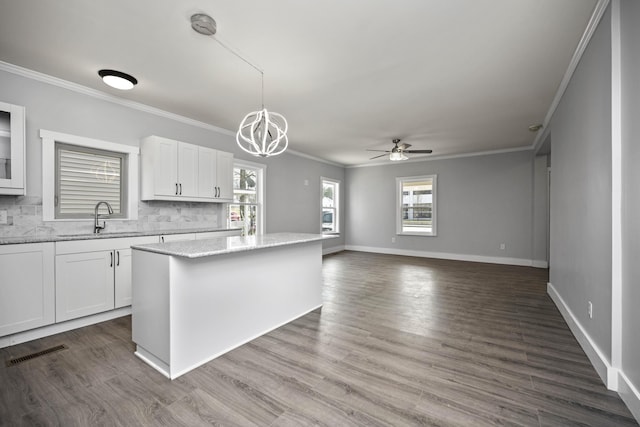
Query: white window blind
(87, 176)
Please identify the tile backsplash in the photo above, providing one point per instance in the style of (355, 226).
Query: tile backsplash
(24, 218)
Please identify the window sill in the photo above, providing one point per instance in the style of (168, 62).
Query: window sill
(417, 234)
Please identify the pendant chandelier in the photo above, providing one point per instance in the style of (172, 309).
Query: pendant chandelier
(261, 133)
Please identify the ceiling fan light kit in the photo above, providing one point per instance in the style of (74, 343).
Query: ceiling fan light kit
(261, 133)
(397, 152)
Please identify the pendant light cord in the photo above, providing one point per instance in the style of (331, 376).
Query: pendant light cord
(236, 53)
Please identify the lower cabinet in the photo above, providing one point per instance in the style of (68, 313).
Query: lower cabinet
(46, 283)
(93, 276)
(26, 287)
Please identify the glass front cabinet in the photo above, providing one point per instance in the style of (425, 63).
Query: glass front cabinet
(12, 149)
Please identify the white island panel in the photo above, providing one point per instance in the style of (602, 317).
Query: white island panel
(187, 311)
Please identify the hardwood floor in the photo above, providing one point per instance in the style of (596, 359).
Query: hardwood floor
(399, 341)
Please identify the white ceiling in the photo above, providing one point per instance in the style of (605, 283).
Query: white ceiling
(455, 76)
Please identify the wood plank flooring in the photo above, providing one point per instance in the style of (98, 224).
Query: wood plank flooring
(400, 341)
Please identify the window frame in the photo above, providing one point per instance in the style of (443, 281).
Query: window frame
(336, 208)
(400, 181)
(261, 174)
(85, 150)
(49, 140)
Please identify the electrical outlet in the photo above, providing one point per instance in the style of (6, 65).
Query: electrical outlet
(3, 217)
(502, 246)
(590, 309)
(393, 240)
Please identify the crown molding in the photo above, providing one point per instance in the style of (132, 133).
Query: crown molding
(598, 11)
(54, 81)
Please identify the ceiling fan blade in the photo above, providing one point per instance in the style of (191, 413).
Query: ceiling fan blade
(385, 151)
(419, 151)
(404, 146)
(381, 155)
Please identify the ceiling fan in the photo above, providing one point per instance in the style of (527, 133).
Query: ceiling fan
(397, 152)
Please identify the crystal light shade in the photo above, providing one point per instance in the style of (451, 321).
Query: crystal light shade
(263, 133)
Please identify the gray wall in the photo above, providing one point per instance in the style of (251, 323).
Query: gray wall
(580, 264)
(298, 195)
(289, 206)
(482, 201)
(630, 190)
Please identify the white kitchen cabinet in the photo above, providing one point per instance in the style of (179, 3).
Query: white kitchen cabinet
(215, 174)
(93, 276)
(174, 170)
(12, 149)
(224, 175)
(27, 296)
(169, 169)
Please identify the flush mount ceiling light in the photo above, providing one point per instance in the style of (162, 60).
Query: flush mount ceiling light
(261, 133)
(535, 128)
(118, 79)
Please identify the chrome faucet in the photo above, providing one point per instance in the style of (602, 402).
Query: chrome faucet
(96, 225)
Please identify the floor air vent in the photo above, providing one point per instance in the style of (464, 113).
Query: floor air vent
(18, 360)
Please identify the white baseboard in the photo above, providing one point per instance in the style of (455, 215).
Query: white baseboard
(57, 328)
(629, 394)
(538, 263)
(608, 374)
(443, 255)
(333, 250)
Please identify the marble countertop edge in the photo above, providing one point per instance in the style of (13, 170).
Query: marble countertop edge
(228, 245)
(114, 235)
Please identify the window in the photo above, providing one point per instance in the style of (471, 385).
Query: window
(330, 206)
(416, 203)
(246, 210)
(78, 172)
(86, 176)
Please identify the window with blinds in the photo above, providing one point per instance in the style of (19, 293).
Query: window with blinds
(86, 176)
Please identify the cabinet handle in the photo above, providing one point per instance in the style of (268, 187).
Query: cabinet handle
(111, 256)
(162, 238)
(176, 188)
(181, 189)
(117, 258)
(216, 194)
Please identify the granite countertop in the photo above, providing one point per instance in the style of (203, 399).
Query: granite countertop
(227, 245)
(107, 235)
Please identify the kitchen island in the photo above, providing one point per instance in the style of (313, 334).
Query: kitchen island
(196, 300)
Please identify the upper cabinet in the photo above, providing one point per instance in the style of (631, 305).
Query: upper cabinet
(12, 149)
(215, 174)
(175, 170)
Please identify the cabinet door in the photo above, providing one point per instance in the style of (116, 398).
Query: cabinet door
(27, 287)
(165, 169)
(188, 170)
(84, 284)
(12, 149)
(224, 175)
(206, 172)
(122, 278)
